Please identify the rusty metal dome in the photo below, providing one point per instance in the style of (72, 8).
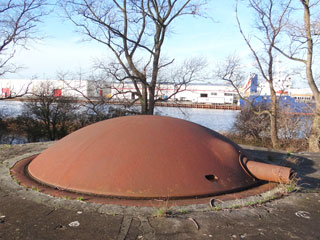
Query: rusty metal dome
(143, 157)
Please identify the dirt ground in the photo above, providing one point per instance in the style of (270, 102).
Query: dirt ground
(29, 214)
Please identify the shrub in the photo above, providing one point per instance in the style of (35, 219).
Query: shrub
(252, 127)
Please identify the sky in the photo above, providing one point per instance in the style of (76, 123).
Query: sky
(63, 49)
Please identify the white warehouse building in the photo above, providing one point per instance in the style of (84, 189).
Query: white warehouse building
(70, 88)
(193, 92)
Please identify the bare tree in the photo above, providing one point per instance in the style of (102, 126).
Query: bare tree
(231, 71)
(253, 123)
(19, 20)
(271, 17)
(3, 129)
(9, 91)
(300, 47)
(135, 32)
(251, 126)
(179, 77)
(93, 93)
(94, 102)
(18, 24)
(56, 114)
(171, 80)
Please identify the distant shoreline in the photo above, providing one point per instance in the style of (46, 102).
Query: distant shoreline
(158, 104)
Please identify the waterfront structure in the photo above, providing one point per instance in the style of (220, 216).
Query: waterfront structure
(193, 93)
(204, 93)
(70, 88)
(290, 100)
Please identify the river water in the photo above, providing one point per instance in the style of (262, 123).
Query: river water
(218, 120)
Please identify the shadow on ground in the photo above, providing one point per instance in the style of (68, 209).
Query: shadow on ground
(305, 165)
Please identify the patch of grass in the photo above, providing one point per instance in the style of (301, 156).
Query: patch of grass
(246, 204)
(216, 208)
(262, 201)
(6, 146)
(164, 210)
(272, 197)
(183, 211)
(66, 198)
(235, 206)
(80, 199)
(35, 189)
(289, 187)
(250, 203)
(161, 212)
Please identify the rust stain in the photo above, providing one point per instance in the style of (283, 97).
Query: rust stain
(266, 172)
(269, 172)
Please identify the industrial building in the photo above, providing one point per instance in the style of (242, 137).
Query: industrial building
(202, 93)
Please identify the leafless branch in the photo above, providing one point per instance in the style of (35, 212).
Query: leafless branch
(18, 24)
(131, 29)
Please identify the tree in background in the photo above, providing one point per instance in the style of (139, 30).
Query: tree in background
(252, 124)
(171, 80)
(18, 25)
(95, 99)
(252, 127)
(299, 45)
(3, 128)
(53, 115)
(135, 32)
(271, 17)
(94, 103)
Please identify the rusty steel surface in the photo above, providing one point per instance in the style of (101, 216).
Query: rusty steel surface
(269, 172)
(18, 173)
(143, 157)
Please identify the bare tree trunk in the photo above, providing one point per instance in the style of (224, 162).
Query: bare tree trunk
(151, 102)
(270, 25)
(274, 102)
(315, 131)
(144, 100)
(300, 36)
(273, 119)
